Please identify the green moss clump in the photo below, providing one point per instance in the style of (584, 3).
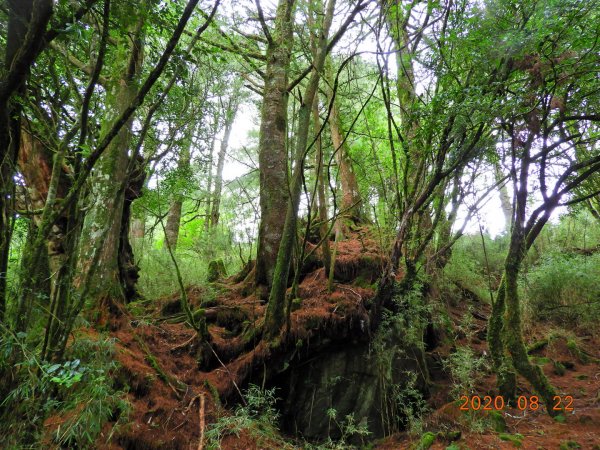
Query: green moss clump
(296, 304)
(426, 441)
(213, 391)
(576, 351)
(567, 445)
(559, 368)
(450, 436)
(540, 360)
(515, 439)
(498, 422)
(216, 270)
(453, 446)
(539, 345)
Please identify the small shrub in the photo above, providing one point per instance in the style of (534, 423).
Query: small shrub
(411, 403)
(349, 429)
(466, 369)
(257, 416)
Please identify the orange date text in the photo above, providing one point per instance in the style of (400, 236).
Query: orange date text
(497, 403)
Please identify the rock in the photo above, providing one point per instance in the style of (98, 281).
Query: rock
(353, 379)
(216, 270)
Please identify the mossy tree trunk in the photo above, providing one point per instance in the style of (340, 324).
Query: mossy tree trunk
(506, 379)
(275, 316)
(36, 164)
(351, 202)
(174, 214)
(128, 269)
(272, 153)
(27, 21)
(101, 233)
(505, 324)
(276, 312)
(320, 175)
(209, 167)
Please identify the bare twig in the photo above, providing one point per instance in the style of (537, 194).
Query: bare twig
(201, 416)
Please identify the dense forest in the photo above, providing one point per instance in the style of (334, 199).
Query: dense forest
(278, 224)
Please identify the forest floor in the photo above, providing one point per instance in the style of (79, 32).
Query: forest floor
(173, 401)
(571, 363)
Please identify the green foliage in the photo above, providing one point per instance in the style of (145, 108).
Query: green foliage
(411, 403)
(348, 428)
(563, 289)
(257, 417)
(401, 336)
(78, 396)
(454, 446)
(497, 421)
(413, 314)
(157, 277)
(466, 369)
(568, 445)
(426, 441)
(514, 439)
(468, 266)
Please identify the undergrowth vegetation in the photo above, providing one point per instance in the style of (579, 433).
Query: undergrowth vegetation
(256, 416)
(196, 248)
(77, 397)
(563, 289)
(559, 283)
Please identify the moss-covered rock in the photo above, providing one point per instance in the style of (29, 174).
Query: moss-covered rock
(352, 379)
(497, 421)
(216, 270)
(426, 441)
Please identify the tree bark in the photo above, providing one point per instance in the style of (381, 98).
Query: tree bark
(25, 29)
(320, 175)
(276, 312)
(128, 269)
(272, 156)
(174, 214)
(230, 114)
(35, 163)
(138, 228)
(209, 183)
(351, 199)
(103, 223)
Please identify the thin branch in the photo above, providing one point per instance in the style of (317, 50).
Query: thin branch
(263, 24)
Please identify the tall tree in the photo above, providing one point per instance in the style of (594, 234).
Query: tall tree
(272, 153)
(26, 33)
(102, 225)
(174, 214)
(351, 202)
(230, 111)
(278, 309)
(553, 124)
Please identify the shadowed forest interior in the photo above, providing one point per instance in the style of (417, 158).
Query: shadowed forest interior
(286, 224)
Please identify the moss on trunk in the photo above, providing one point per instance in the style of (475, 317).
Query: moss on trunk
(506, 377)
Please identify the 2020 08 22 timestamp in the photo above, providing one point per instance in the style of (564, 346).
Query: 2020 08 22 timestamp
(497, 403)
